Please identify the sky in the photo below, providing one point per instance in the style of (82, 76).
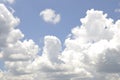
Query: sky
(59, 40)
(33, 26)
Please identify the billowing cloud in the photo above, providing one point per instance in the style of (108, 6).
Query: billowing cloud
(50, 16)
(16, 54)
(92, 51)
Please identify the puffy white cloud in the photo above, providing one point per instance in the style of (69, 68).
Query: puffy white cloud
(92, 51)
(94, 46)
(16, 54)
(52, 48)
(21, 51)
(50, 16)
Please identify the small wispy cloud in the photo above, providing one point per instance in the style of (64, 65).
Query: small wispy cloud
(9, 1)
(50, 16)
(117, 10)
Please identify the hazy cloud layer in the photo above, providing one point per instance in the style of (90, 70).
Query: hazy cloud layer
(92, 51)
(50, 16)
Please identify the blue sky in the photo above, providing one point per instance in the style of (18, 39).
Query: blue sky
(33, 26)
(59, 40)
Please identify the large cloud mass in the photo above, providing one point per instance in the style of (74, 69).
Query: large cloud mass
(92, 52)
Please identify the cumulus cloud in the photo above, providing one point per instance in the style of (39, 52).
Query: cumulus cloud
(92, 51)
(16, 54)
(50, 16)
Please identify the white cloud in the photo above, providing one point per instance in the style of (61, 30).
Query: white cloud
(92, 52)
(50, 16)
(7, 32)
(16, 54)
(9, 1)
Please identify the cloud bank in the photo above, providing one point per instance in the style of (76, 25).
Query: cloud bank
(50, 16)
(92, 52)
